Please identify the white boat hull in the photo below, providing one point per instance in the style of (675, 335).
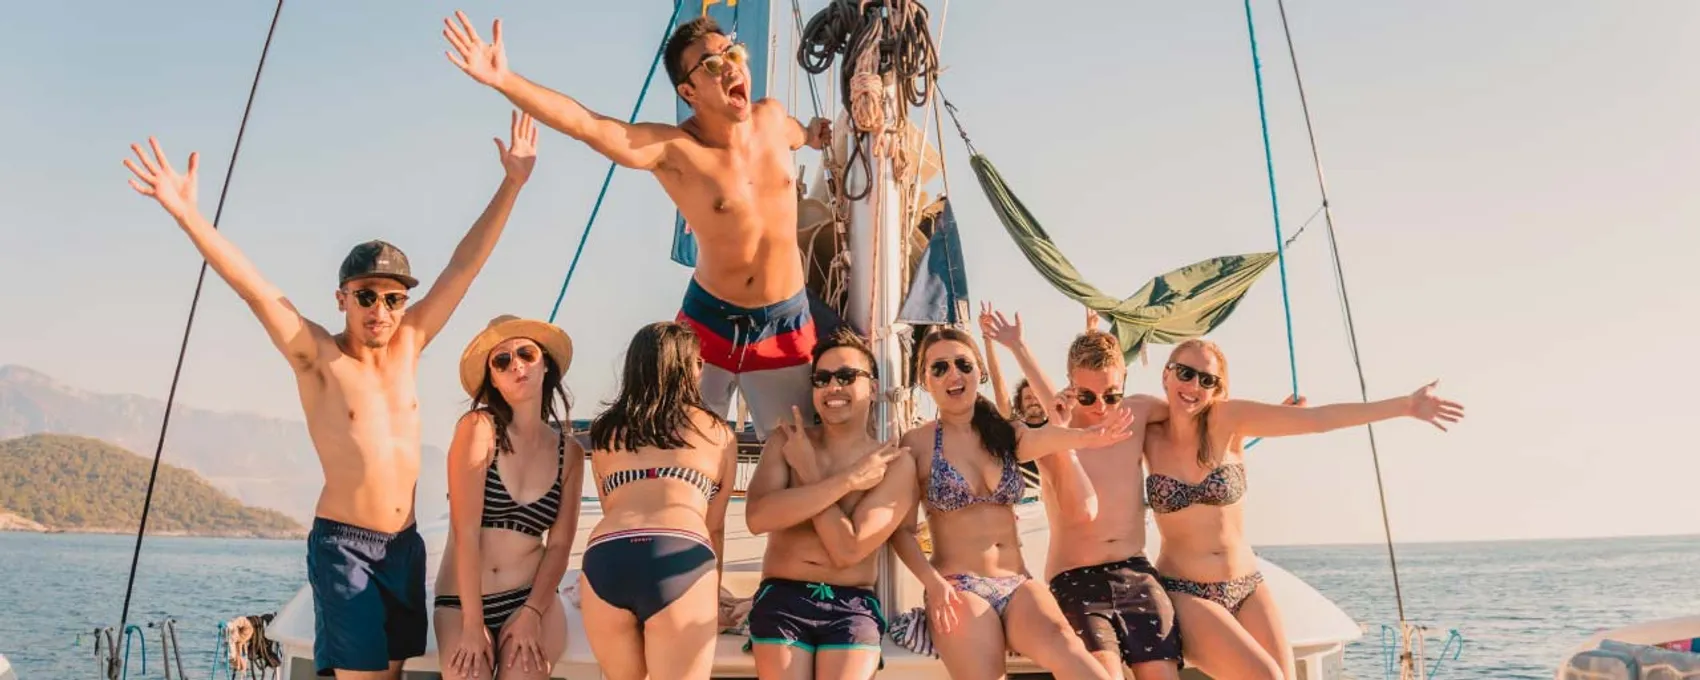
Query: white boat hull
(6, 672)
(1666, 644)
(1316, 627)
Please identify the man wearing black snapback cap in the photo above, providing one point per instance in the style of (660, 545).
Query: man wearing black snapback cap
(365, 559)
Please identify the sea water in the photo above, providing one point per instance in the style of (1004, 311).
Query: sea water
(1519, 605)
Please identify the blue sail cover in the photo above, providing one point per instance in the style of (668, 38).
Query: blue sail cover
(940, 284)
(748, 22)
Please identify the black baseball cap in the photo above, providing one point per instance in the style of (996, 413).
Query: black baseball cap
(377, 258)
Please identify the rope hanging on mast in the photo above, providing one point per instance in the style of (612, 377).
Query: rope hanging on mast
(1274, 199)
(1351, 330)
(194, 303)
(876, 38)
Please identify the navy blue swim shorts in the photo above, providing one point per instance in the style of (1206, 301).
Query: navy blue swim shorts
(368, 596)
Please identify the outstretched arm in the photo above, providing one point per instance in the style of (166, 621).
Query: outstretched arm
(295, 336)
(428, 316)
(1256, 419)
(641, 146)
(1037, 443)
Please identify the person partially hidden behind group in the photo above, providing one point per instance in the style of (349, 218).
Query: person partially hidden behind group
(497, 613)
(1228, 621)
(664, 468)
(981, 599)
(829, 496)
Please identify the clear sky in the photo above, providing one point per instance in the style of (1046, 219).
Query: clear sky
(1513, 183)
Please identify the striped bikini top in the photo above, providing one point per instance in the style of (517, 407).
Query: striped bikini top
(501, 511)
(691, 476)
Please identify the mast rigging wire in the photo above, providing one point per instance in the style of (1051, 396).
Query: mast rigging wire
(194, 303)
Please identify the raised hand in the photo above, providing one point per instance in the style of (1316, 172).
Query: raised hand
(520, 156)
(870, 469)
(1425, 405)
(1091, 319)
(799, 450)
(1062, 410)
(175, 193)
(1001, 331)
(486, 63)
(987, 320)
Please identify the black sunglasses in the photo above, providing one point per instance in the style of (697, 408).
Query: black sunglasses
(844, 375)
(527, 354)
(941, 367)
(1186, 373)
(367, 297)
(1087, 397)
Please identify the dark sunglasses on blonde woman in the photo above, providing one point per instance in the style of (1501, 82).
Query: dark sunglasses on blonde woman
(1185, 373)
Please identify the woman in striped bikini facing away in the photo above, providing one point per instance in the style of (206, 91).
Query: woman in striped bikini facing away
(514, 476)
(664, 466)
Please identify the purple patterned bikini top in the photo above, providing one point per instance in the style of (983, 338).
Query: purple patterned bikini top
(1223, 486)
(948, 490)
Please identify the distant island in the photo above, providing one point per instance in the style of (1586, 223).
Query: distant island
(260, 461)
(52, 482)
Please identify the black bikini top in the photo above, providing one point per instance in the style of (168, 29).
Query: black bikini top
(501, 511)
(1223, 486)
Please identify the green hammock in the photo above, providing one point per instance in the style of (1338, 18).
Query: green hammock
(1182, 304)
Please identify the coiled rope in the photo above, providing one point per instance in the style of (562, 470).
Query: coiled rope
(183, 348)
(875, 38)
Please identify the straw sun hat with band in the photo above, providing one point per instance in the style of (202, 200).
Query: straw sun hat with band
(474, 362)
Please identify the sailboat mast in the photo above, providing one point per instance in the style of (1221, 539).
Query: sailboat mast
(875, 280)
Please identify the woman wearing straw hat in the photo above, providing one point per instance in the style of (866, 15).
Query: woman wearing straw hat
(514, 477)
(664, 466)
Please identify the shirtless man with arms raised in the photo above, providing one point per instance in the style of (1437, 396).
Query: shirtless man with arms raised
(1096, 565)
(830, 498)
(365, 558)
(728, 169)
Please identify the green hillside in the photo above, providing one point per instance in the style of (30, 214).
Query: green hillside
(80, 484)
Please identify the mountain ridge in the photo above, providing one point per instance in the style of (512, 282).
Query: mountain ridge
(259, 460)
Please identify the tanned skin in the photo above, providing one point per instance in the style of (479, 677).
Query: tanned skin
(357, 386)
(728, 167)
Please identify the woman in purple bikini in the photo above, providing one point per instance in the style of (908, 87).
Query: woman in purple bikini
(981, 599)
(1197, 478)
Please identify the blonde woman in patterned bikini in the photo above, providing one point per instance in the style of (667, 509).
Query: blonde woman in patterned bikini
(1197, 478)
